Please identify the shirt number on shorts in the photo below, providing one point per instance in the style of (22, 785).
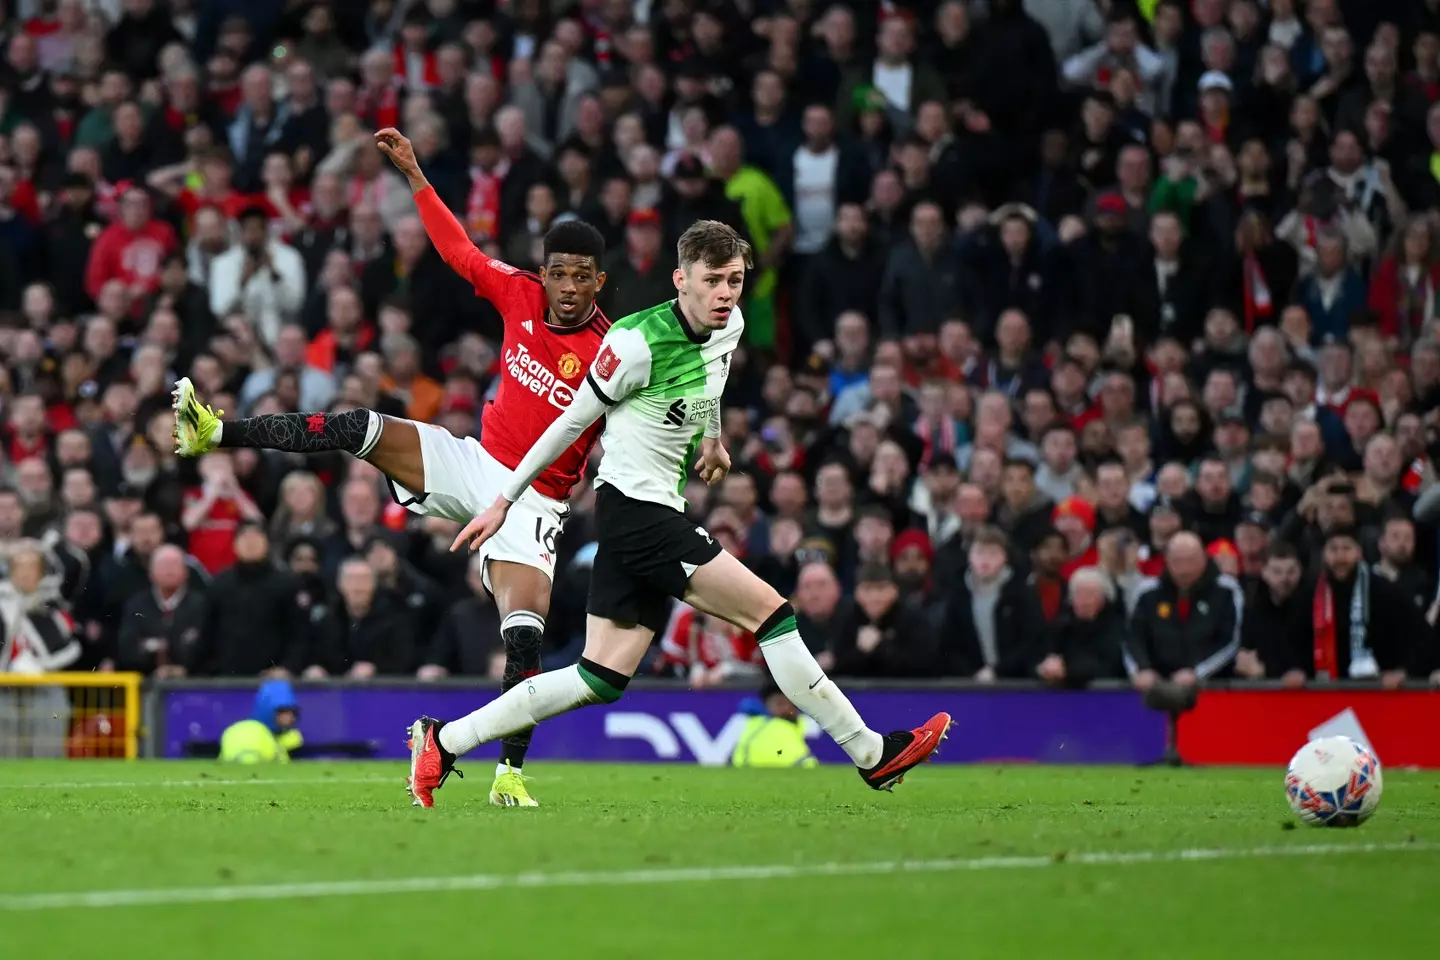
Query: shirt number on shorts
(547, 537)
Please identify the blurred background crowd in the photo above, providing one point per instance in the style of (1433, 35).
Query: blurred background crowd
(1087, 339)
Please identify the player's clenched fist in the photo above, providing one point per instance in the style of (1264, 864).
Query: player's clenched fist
(483, 527)
(714, 462)
(397, 147)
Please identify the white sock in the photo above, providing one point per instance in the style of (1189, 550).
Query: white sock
(219, 431)
(519, 708)
(500, 768)
(795, 671)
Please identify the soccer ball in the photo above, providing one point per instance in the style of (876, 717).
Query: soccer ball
(1334, 782)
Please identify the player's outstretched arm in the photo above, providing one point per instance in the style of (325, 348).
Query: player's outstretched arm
(585, 409)
(445, 231)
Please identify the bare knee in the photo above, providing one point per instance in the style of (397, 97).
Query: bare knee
(517, 586)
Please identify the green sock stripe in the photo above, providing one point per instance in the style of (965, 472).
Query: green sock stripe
(603, 690)
(781, 630)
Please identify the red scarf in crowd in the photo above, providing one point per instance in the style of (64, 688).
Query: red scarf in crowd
(1259, 304)
(1327, 660)
(482, 207)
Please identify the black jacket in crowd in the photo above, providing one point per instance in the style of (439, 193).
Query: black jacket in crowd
(833, 283)
(1281, 633)
(151, 637)
(255, 624)
(1092, 649)
(384, 635)
(1202, 634)
(906, 647)
(468, 637)
(1395, 631)
(1019, 631)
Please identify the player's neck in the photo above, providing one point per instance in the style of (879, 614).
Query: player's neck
(695, 332)
(553, 319)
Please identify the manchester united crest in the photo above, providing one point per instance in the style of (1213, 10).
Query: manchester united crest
(569, 365)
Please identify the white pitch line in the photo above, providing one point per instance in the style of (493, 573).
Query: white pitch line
(608, 878)
(121, 784)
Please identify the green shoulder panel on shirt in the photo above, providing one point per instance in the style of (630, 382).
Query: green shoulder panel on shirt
(676, 367)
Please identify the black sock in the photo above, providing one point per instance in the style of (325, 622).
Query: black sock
(523, 633)
(445, 755)
(301, 432)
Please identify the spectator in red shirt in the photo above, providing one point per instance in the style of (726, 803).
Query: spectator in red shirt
(132, 249)
(214, 511)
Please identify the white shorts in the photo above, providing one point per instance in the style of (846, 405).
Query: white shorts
(462, 481)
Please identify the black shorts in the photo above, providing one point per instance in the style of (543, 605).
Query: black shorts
(645, 555)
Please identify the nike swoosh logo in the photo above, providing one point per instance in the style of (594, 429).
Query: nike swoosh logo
(817, 682)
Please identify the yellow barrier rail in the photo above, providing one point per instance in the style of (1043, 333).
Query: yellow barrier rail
(78, 715)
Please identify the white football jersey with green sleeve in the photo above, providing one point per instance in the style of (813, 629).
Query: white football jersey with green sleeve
(662, 384)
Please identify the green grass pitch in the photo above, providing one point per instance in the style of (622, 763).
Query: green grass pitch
(161, 860)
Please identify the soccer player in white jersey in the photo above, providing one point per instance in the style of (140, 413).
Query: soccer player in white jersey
(657, 380)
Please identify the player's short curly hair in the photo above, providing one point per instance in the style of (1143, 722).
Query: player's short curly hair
(712, 243)
(575, 237)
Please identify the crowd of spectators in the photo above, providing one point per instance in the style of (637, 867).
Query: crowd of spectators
(1087, 338)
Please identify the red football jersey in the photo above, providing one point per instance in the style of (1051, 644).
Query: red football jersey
(542, 365)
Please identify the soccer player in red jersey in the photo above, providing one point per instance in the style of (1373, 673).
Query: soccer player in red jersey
(553, 330)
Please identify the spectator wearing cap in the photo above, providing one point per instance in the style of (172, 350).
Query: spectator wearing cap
(1364, 627)
(1074, 517)
(693, 194)
(876, 635)
(911, 557)
(993, 622)
(637, 277)
(160, 627)
(68, 234)
(1086, 641)
(131, 250)
(1186, 625)
(1251, 540)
